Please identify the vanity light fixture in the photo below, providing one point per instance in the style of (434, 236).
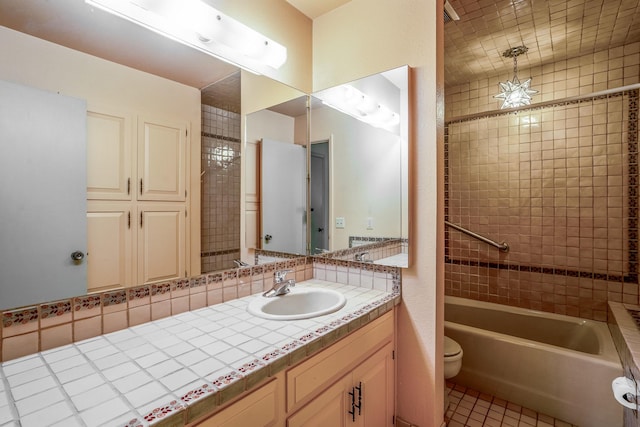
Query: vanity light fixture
(515, 93)
(353, 102)
(198, 25)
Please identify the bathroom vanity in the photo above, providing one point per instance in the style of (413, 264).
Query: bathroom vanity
(352, 381)
(219, 365)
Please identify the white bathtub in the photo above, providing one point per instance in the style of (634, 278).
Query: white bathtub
(554, 364)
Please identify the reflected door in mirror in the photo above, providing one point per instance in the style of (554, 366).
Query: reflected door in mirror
(283, 196)
(42, 220)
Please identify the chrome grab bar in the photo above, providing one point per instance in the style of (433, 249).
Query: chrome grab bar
(504, 247)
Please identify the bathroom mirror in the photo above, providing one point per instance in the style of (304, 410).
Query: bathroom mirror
(276, 167)
(359, 193)
(358, 168)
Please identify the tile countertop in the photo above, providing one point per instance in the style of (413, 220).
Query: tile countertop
(627, 329)
(172, 370)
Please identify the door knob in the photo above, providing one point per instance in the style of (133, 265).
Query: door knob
(77, 256)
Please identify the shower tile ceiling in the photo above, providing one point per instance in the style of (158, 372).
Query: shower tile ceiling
(553, 30)
(223, 94)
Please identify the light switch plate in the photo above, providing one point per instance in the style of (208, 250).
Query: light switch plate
(339, 222)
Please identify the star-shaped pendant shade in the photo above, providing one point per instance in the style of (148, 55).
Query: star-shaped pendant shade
(515, 94)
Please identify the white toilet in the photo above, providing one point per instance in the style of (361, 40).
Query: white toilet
(452, 364)
(452, 358)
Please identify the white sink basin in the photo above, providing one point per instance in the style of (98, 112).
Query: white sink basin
(299, 303)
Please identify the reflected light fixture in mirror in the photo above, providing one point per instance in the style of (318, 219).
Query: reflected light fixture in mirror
(202, 27)
(359, 105)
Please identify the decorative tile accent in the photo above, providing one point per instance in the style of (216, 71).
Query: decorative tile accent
(86, 306)
(138, 293)
(199, 283)
(163, 411)
(55, 309)
(180, 288)
(198, 393)
(160, 291)
(19, 321)
(114, 298)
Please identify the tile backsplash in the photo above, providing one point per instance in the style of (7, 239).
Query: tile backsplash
(28, 330)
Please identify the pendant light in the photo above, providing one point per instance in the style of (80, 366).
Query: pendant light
(515, 93)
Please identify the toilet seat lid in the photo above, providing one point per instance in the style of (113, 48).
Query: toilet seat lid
(451, 348)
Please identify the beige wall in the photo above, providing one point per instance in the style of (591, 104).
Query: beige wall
(370, 186)
(33, 62)
(358, 39)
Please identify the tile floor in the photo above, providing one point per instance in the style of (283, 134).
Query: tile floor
(470, 408)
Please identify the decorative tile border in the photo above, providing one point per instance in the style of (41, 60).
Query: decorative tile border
(19, 317)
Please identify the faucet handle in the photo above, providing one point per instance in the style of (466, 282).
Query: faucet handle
(280, 275)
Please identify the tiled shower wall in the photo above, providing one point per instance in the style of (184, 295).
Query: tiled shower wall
(559, 184)
(220, 188)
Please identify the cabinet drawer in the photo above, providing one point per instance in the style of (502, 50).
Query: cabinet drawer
(307, 379)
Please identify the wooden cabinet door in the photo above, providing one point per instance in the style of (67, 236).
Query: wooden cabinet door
(374, 383)
(109, 155)
(109, 237)
(330, 408)
(162, 157)
(258, 409)
(161, 242)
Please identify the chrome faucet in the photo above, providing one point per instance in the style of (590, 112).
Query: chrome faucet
(362, 257)
(280, 285)
(239, 263)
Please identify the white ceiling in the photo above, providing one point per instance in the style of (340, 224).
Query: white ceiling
(315, 8)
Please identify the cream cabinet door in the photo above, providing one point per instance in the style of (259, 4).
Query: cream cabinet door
(330, 408)
(161, 242)
(258, 409)
(373, 383)
(162, 157)
(109, 236)
(109, 155)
